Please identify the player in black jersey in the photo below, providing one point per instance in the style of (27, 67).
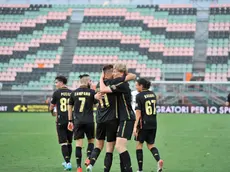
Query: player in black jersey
(228, 100)
(125, 113)
(60, 102)
(107, 119)
(82, 100)
(146, 122)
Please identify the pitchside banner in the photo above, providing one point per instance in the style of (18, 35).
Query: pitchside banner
(24, 108)
(178, 109)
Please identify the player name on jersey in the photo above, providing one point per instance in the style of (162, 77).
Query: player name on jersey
(65, 94)
(149, 96)
(82, 94)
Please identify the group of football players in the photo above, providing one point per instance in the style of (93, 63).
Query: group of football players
(116, 121)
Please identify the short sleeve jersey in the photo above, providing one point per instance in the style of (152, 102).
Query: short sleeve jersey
(83, 101)
(60, 98)
(108, 105)
(146, 103)
(124, 98)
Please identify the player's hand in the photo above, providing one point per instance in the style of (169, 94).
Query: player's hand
(98, 96)
(227, 103)
(70, 126)
(135, 133)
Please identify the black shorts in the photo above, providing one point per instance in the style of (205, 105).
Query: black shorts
(108, 130)
(80, 130)
(146, 135)
(64, 135)
(125, 129)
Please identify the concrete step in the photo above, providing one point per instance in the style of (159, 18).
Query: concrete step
(69, 48)
(67, 60)
(199, 65)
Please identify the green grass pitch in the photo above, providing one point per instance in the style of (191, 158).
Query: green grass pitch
(187, 143)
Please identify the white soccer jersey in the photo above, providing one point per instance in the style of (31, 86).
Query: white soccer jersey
(134, 93)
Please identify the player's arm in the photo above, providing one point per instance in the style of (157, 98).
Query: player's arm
(103, 87)
(138, 115)
(119, 87)
(70, 112)
(98, 95)
(52, 108)
(130, 77)
(52, 104)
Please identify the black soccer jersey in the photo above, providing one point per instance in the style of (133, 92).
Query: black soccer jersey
(108, 106)
(146, 103)
(124, 98)
(228, 98)
(83, 100)
(60, 99)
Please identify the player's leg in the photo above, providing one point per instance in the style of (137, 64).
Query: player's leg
(79, 136)
(124, 134)
(90, 147)
(150, 139)
(62, 137)
(139, 155)
(78, 154)
(90, 132)
(69, 143)
(100, 137)
(139, 149)
(109, 156)
(95, 154)
(111, 134)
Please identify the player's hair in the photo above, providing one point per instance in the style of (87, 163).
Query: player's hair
(62, 79)
(145, 83)
(83, 75)
(84, 79)
(107, 68)
(121, 67)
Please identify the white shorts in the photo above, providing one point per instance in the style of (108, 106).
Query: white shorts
(55, 109)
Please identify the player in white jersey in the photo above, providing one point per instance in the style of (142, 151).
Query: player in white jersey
(134, 93)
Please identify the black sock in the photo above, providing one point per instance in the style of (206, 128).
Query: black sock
(108, 161)
(139, 154)
(78, 156)
(90, 149)
(70, 150)
(121, 165)
(65, 153)
(96, 152)
(155, 153)
(125, 158)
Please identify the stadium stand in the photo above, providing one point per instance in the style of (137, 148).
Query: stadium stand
(218, 62)
(31, 44)
(152, 40)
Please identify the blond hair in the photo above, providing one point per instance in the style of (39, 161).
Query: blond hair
(84, 80)
(120, 67)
